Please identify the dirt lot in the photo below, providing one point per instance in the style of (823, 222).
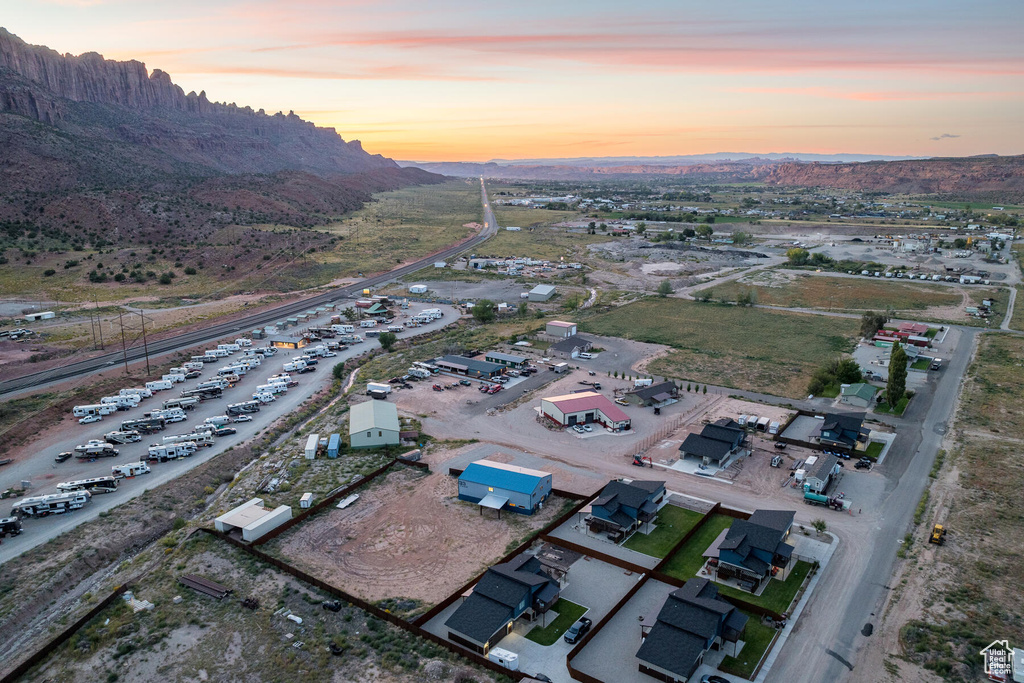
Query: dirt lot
(179, 642)
(406, 537)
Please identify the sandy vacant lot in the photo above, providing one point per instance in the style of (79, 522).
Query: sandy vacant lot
(407, 536)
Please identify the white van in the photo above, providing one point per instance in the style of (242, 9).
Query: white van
(585, 356)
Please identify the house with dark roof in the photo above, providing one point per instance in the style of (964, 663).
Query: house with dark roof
(842, 430)
(692, 621)
(755, 549)
(570, 347)
(820, 476)
(716, 442)
(657, 395)
(520, 587)
(621, 507)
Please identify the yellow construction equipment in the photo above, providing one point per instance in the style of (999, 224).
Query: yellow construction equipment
(938, 535)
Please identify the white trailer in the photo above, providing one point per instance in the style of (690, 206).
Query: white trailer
(419, 372)
(129, 470)
(312, 444)
(504, 658)
(94, 409)
(379, 387)
(123, 437)
(173, 377)
(217, 420)
(96, 449)
(52, 504)
(136, 391)
(194, 365)
(294, 366)
(171, 451)
(159, 385)
(368, 323)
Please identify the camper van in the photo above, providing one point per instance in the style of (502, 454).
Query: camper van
(129, 470)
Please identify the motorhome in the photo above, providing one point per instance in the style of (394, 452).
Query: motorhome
(264, 397)
(129, 470)
(52, 504)
(94, 485)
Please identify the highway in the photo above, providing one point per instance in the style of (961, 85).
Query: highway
(217, 331)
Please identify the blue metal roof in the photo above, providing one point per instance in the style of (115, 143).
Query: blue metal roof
(500, 479)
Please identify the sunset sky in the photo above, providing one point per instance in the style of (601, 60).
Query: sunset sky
(456, 80)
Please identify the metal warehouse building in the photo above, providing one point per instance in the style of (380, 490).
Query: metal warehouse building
(373, 424)
(500, 487)
(469, 367)
(542, 293)
(584, 408)
(254, 520)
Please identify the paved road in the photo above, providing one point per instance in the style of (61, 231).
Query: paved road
(218, 331)
(44, 473)
(1009, 309)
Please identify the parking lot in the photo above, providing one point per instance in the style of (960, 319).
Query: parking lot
(35, 462)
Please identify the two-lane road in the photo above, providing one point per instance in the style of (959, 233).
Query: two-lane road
(159, 347)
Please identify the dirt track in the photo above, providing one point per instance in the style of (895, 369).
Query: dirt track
(406, 537)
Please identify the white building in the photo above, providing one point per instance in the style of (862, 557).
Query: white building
(417, 289)
(373, 424)
(253, 519)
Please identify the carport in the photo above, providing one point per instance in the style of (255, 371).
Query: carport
(493, 501)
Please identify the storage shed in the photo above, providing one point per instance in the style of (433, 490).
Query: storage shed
(542, 293)
(417, 289)
(373, 424)
(306, 501)
(44, 315)
(254, 520)
(333, 445)
(560, 328)
(500, 487)
(312, 444)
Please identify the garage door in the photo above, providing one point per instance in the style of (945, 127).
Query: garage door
(588, 418)
(572, 420)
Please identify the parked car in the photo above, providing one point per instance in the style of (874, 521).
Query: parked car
(89, 419)
(588, 428)
(225, 431)
(578, 429)
(438, 387)
(495, 389)
(307, 368)
(863, 465)
(61, 457)
(243, 418)
(577, 630)
(465, 382)
(621, 402)
(781, 446)
(193, 374)
(711, 678)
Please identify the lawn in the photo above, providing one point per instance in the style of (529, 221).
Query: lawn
(690, 558)
(775, 352)
(568, 613)
(757, 637)
(884, 408)
(672, 524)
(823, 292)
(777, 595)
(920, 364)
(874, 450)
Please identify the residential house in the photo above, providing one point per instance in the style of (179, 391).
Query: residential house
(755, 549)
(821, 473)
(570, 347)
(715, 443)
(692, 621)
(842, 430)
(657, 395)
(860, 395)
(506, 592)
(621, 507)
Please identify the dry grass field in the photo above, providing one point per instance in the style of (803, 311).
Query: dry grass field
(747, 348)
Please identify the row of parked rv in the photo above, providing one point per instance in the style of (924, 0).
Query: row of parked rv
(962, 279)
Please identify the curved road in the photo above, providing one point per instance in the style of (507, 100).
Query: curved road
(163, 346)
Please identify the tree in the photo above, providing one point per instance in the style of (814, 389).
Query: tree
(387, 340)
(798, 256)
(848, 371)
(339, 370)
(872, 322)
(349, 313)
(705, 389)
(665, 288)
(705, 232)
(483, 311)
(740, 237)
(591, 226)
(641, 228)
(524, 310)
(897, 385)
(819, 525)
(689, 232)
(688, 388)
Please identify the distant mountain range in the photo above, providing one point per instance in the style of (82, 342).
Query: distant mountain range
(987, 176)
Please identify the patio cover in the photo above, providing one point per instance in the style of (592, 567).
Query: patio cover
(712, 550)
(493, 501)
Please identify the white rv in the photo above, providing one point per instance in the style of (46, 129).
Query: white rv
(129, 470)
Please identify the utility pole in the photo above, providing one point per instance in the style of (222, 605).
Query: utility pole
(99, 324)
(124, 345)
(145, 343)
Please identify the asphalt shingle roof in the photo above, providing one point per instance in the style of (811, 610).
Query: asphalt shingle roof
(703, 447)
(647, 393)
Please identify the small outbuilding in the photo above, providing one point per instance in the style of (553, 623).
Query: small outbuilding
(254, 520)
(417, 289)
(542, 293)
(333, 445)
(500, 487)
(373, 424)
(560, 328)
